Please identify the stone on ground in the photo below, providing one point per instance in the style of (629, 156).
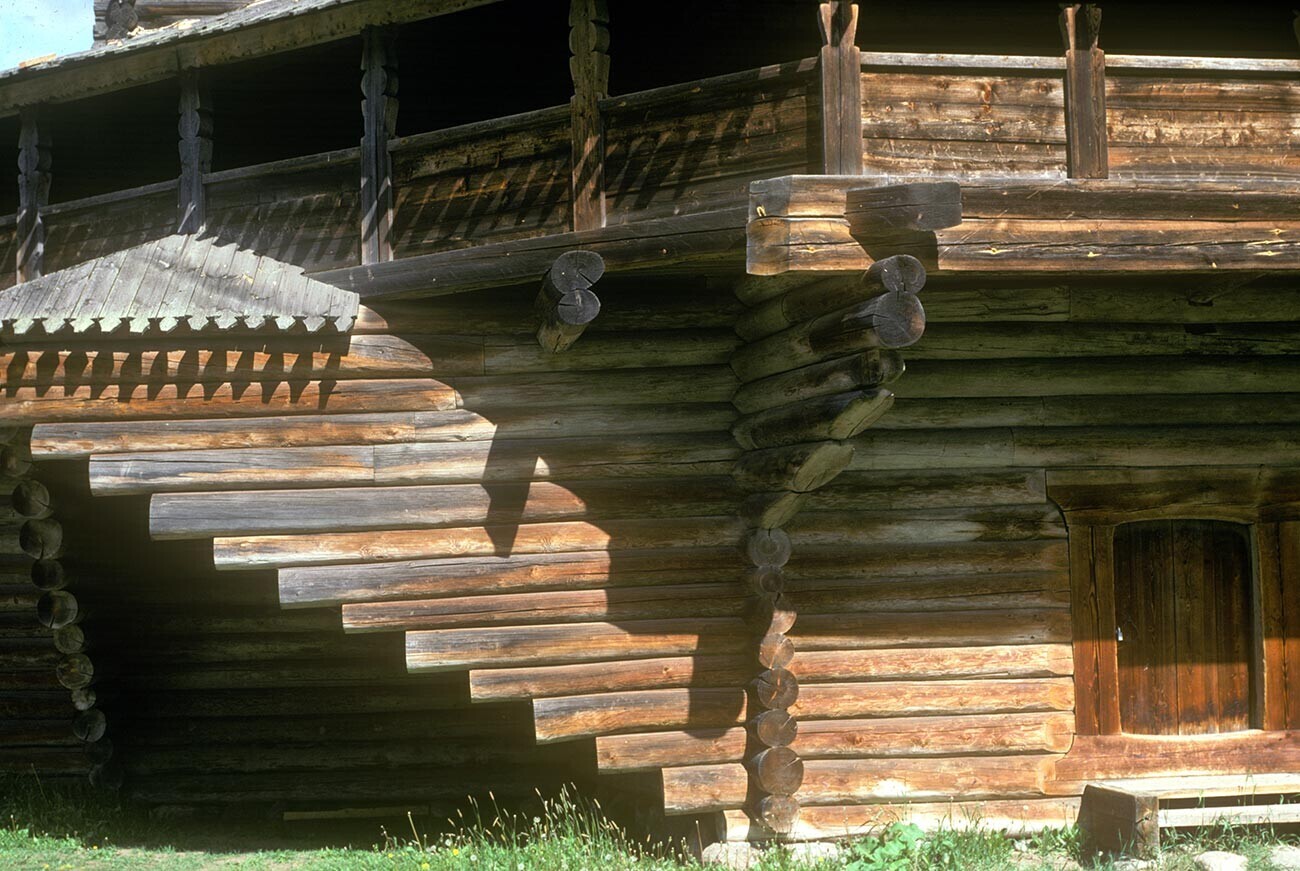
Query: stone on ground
(1285, 858)
(734, 856)
(1218, 860)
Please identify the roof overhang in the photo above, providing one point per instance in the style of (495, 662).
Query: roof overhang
(179, 284)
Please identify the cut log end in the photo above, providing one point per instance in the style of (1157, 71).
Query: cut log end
(767, 547)
(800, 468)
(775, 650)
(778, 813)
(90, 726)
(32, 499)
(776, 688)
(770, 510)
(901, 273)
(777, 771)
(774, 728)
(41, 539)
(57, 609)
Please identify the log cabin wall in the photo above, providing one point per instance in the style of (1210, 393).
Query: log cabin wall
(37, 713)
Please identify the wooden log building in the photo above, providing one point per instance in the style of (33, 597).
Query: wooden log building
(802, 415)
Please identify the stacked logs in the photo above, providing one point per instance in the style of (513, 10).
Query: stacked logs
(814, 370)
(41, 538)
(566, 304)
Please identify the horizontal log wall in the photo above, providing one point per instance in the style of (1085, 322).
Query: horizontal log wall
(37, 739)
(933, 647)
(1010, 121)
(216, 696)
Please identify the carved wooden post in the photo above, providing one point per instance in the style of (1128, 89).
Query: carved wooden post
(33, 193)
(1085, 91)
(195, 128)
(841, 70)
(589, 68)
(379, 116)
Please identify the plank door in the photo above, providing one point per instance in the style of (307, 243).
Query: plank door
(1185, 618)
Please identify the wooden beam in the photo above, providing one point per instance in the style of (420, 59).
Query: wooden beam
(589, 68)
(379, 117)
(219, 41)
(715, 237)
(566, 302)
(33, 193)
(195, 128)
(1085, 91)
(841, 75)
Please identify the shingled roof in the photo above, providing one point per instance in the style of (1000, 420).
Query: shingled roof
(182, 282)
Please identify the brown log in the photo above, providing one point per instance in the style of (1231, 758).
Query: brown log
(566, 303)
(76, 671)
(57, 609)
(532, 682)
(452, 649)
(954, 663)
(774, 728)
(641, 412)
(920, 698)
(406, 544)
(778, 813)
(898, 274)
(32, 499)
(943, 735)
(70, 639)
(771, 510)
(776, 688)
(41, 539)
(887, 321)
(835, 417)
(775, 651)
(799, 468)
(769, 614)
(49, 574)
(555, 607)
(200, 515)
(90, 725)
(777, 770)
(767, 547)
(766, 581)
(310, 585)
(906, 212)
(650, 751)
(571, 717)
(856, 371)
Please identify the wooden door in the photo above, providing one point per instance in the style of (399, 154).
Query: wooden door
(1185, 640)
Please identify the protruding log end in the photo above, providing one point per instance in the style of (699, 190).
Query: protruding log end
(100, 751)
(57, 609)
(75, 672)
(84, 698)
(777, 813)
(775, 650)
(766, 580)
(90, 726)
(800, 468)
(767, 547)
(777, 770)
(32, 499)
(48, 574)
(70, 639)
(901, 273)
(774, 728)
(566, 303)
(776, 688)
(770, 510)
(41, 539)
(107, 776)
(769, 614)
(826, 418)
(891, 320)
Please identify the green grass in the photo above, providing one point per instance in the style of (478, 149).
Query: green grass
(70, 828)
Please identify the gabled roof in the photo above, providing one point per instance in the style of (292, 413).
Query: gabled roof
(181, 282)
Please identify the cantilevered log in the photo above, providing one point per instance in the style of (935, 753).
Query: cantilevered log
(835, 417)
(559, 719)
(903, 211)
(454, 649)
(470, 576)
(553, 607)
(567, 303)
(898, 274)
(800, 468)
(887, 321)
(534, 682)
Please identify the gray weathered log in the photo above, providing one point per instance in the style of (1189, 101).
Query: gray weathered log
(566, 303)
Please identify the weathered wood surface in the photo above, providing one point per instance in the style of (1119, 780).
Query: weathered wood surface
(1085, 91)
(195, 146)
(589, 70)
(799, 223)
(841, 88)
(34, 159)
(379, 124)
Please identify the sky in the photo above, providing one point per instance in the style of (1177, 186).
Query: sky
(31, 28)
